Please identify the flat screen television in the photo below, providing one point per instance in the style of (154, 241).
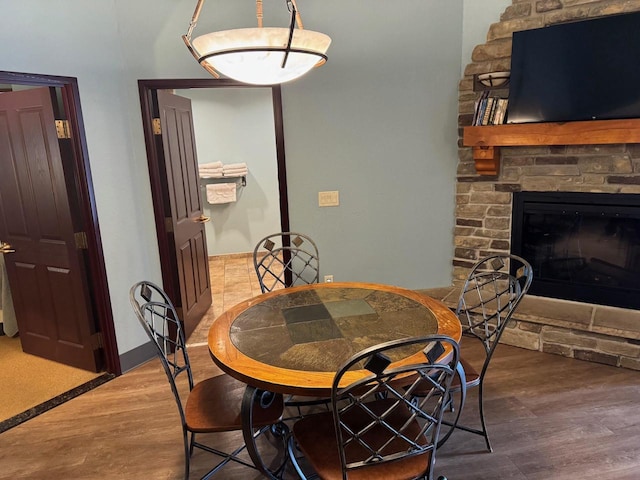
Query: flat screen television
(585, 70)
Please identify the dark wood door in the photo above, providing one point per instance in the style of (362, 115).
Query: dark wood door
(185, 223)
(46, 270)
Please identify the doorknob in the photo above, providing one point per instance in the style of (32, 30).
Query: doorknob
(203, 219)
(6, 248)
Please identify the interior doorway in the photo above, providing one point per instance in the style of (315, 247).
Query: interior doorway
(42, 131)
(157, 167)
(77, 182)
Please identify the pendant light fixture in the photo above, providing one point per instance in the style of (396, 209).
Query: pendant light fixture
(261, 55)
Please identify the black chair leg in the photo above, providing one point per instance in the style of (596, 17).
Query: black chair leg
(188, 448)
(484, 425)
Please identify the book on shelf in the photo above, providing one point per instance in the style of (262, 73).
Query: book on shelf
(490, 110)
(501, 112)
(480, 105)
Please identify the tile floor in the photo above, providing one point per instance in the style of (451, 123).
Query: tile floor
(233, 279)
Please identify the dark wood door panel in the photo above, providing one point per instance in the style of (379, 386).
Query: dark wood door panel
(191, 185)
(13, 217)
(28, 300)
(46, 273)
(65, 306)
(202, 274)
(43, 174)
(183, 192)
(186, 262)
(172, 136)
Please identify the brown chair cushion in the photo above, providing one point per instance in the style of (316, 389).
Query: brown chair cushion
(214, 406)
(316, 438)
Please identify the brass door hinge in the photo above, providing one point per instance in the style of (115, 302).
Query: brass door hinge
(62, 129)
(157, 129)
(81, 240)
(168, 224)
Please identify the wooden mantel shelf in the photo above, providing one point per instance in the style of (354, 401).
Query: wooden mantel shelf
(486, 140)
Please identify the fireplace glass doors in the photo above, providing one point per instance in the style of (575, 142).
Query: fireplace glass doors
(582, 246)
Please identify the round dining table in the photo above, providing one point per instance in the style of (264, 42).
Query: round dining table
(293, 340)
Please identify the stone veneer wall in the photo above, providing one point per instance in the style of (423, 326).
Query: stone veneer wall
(483, 212)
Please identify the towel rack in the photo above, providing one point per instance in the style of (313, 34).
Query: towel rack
(223, 179)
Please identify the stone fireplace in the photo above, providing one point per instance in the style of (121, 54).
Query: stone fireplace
(587, 331)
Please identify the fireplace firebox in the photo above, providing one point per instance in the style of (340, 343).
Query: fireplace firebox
(582, 246)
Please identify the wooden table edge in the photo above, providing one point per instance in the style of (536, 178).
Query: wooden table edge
(281, 380)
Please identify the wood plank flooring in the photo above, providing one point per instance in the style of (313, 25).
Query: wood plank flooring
(548, 417)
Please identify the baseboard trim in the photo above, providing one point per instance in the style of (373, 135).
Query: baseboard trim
(139, 355)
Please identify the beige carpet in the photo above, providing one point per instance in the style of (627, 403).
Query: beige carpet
(28, 381)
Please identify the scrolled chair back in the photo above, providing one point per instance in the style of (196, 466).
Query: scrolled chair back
(377, 419)
(286, 259)
(493, 289)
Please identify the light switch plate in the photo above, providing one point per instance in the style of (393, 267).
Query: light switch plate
(328, 199)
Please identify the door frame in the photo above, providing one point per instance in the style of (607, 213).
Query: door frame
(97, 275)
(146, 88)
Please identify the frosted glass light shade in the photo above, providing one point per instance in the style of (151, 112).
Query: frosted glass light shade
(255, 55)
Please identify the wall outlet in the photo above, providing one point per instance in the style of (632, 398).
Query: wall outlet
(328, 279)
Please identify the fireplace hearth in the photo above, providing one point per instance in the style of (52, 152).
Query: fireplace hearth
(582, 246)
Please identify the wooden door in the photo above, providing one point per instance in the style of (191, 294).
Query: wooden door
(185, 221)
(46, 270)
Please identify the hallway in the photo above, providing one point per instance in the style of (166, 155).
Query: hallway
(233, 279)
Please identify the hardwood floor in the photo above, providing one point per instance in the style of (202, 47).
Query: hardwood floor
(548, 417)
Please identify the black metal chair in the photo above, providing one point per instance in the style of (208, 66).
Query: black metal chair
(286, 259)
(491, 293)
(213, 405)
(374, 429)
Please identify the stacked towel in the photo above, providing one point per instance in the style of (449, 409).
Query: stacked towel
(235, 170)
(218, 193)
(210, 170)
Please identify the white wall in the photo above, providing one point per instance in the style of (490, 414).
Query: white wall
(377, 122)
(235, 125)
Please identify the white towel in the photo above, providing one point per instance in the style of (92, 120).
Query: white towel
(235, 173)
(218, 193)
(235, 169)
(210, 170)
(212, 165)
(234, 166)
(210, 174)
